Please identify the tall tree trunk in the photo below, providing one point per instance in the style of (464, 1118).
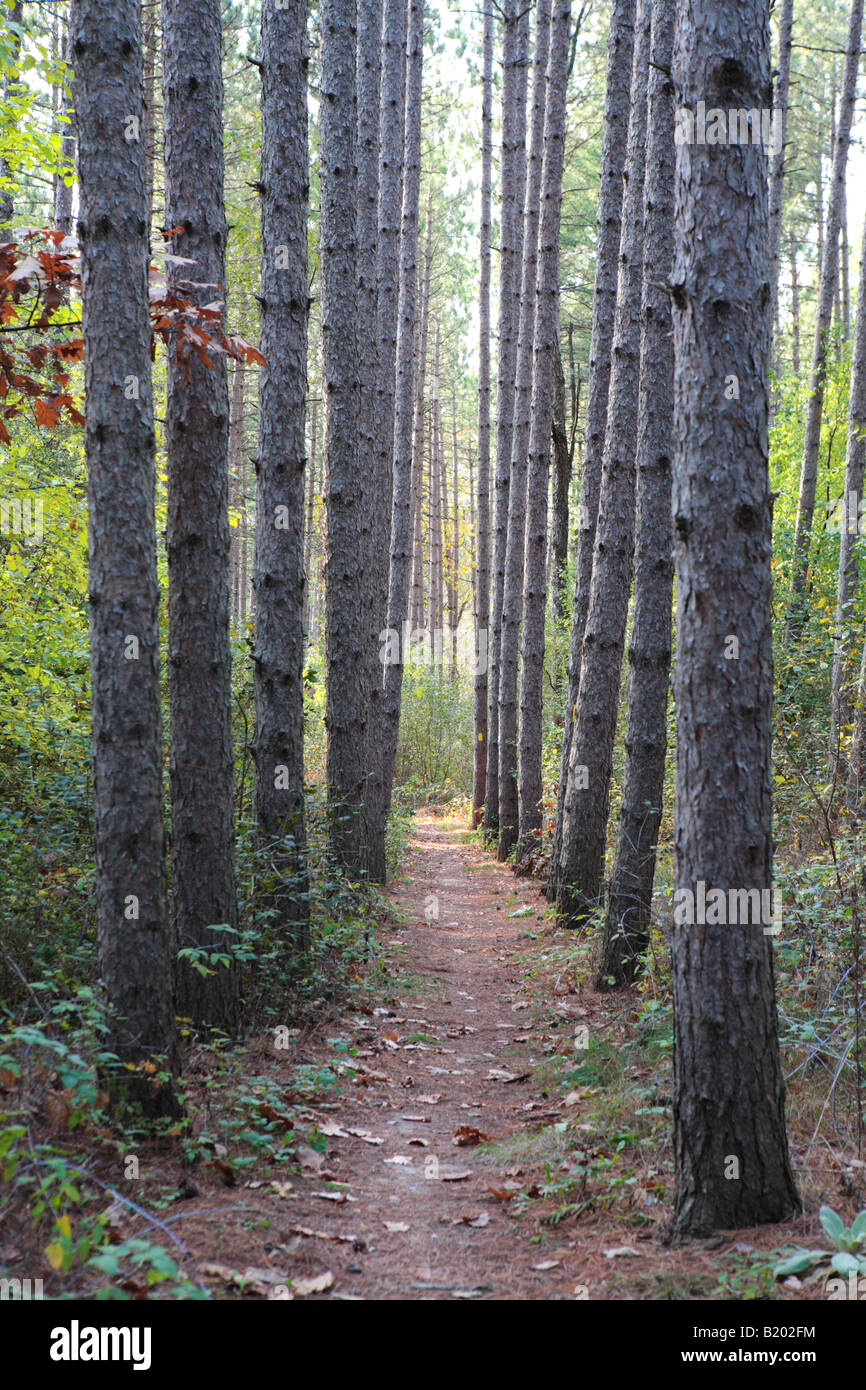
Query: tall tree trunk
(150, 39)
(346, 490)
(559, 500)
(278, 657)
(455, 544)
(420, 378)
(515, 49)
(590, 765)
(197, 527)
(732, 1165)
(236, 450)
(391, 137)
(132, 928)
(842, 681)
(545, 336)
(482, 605)
(627, 923)
(521, 391)
(795, 306)
(826, 293)
(608, 231)
(371, 536)
(777, 164)
(62, 189)
(844, 257)
(401, 510)
(311, 514)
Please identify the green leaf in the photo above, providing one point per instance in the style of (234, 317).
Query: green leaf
(832, 1224)
(796, 1263)
(845, 1264)
(858, 1227)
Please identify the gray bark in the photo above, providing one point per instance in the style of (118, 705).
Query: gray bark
(132, 928)
(401, 536)
(389, 177)
(608, 232)
(521, 390)
(482, 604)
(826, 294)
(345, 489)
(842, 681)
(62, 190)
(777, 164)
(795, 307)
(627, 923)
(731, 1156)
(590, 765)
(545, 337)
(197, 526)
(7, 203)
(278, 579)
(515, 50)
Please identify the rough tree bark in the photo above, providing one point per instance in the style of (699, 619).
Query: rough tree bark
(842, 680)
(521, 391)
(197, 525)
(826, 294)
(278, 577)
(62, 189)
(419, 388)
(482, 604)
(590, 761)
(626, 931)
(732, 1164)
(545, 336)
(391, 136)
(346, 490)
(132, 928)
(608, 231)
(368, 69)
(401, 519)
(777, 163)
(515, 50)
(795, 306)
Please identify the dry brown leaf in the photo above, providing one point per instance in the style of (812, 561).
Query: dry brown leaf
(318, 1284)
(467, 1136)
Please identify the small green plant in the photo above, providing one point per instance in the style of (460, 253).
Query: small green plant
(850, 1242)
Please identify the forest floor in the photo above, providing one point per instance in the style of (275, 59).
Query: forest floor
(476, 1122)
(496, 1133)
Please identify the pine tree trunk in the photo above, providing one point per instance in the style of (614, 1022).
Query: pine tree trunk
(132, 927)
(795, 307)
(515, 48)
(370, 538)
(401, 510)
(389, 176)
(826, 294)
(559, 501)
(545, 335)
(62, 189)
(7, 204)
(521, 390)
(627, 923)
(732, 1165)
(236, 449)
(608, 231)
(842, 682)
(777, 163)
(482, 603)
(590, 765)
(278, 657)
(346, 490)
(311, 513)
(197, 526)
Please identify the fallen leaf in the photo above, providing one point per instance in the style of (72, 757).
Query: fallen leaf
(429, 1100)
(454, 1174)
(365, 1134)
(334, 1196)
(315, 1285)
(417, 1119)
(399, 1159)
(466, 1136)
(332, 1129)
(311, 1162)
(547, 1264)
(419, 1143)
(479, 1221)
(282, 1189)
(620, 1250)
(396, 1227)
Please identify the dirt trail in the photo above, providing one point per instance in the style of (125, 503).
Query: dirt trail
(394, 1208)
